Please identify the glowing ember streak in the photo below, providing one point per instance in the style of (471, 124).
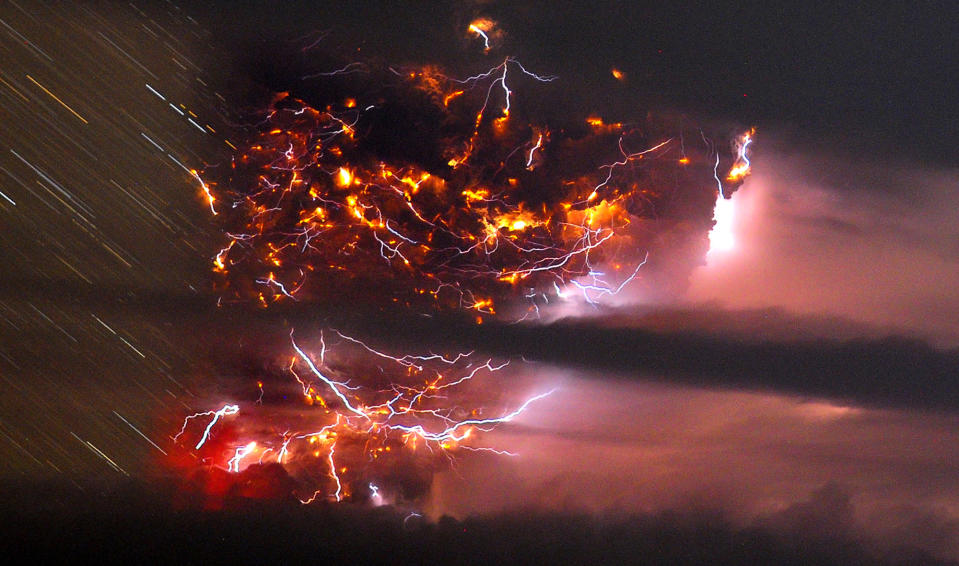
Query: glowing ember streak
(206, 190)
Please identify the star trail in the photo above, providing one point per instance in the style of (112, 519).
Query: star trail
(764, 366)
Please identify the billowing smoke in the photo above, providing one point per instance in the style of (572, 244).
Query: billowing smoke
(356, 423)
(436, 192)
(416, 192)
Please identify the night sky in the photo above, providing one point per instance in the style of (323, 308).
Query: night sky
(793, 398)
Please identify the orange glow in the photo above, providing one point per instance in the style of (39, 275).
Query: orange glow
(313, 212)
(603, 213)
(485, 29)
(517, 221)
(738, 172)
(479, 194)
(451, 96)
(741, 169)
(484, 305)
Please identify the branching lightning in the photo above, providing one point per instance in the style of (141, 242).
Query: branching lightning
(416, 414)
(506, 211)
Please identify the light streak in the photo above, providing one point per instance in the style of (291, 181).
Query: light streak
(100, 454)
(333, 385)
(309, 212)
(55, 97)
(407, 360)
(206, 189)
(153, 143)
(11, 87)
(742, 166)
(719, 184)
(153, 90)
(532, 151)
(474, 27)
(418, 410)
(501, 244)
(721, 237)
(355, 67)
(226, 410)
(271, 281)
(239, 454)
(336, 478)
(600, 287)
(411, 515)
(25, 40)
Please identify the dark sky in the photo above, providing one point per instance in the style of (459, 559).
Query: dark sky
(874, 77)
(809, 373)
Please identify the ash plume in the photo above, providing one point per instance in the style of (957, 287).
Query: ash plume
(408, 189)
(442, 193)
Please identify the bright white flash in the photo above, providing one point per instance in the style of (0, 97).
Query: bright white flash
(721, 238)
